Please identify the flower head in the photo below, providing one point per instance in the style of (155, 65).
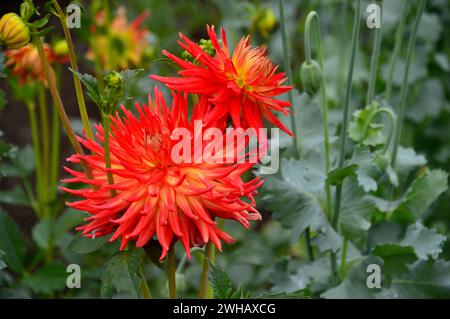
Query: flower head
(26, 63)
(122, 45)
(242, 85)
(14, 33)
(152, 193)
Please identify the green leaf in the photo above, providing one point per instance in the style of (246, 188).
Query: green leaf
(356, 210)
(129, 74)
(48, 279)
(12, 243)
(15, 196)
(42, 233)
(423, 279)
(295, 197)
(91, 85)
(82, 245)
(407, 159)
(422, 193)
(123, 275)
(222, 286)
(424, 242)
(367, 170)
(3, 100)
(363, 130)
(2, 263)
(336, 176)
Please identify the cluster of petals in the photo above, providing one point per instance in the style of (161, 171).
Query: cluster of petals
(152, 195)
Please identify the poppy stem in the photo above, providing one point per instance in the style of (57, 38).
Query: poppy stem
(345, 120)
(404, 89)
(288, 70)
(374, 62)
(74, 66)
(171, 273)
(397, 47)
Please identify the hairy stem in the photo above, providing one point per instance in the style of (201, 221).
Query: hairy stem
(107, 130)
(209, 249)
(45, 138)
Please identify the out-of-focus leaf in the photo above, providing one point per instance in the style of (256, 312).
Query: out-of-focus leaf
(123, 275)
(336, 176)
(12, 243)
(430, 102)
(15, 196)
(422, 193)
(367, 170)
(296, 199)
(222, 286)
(82, 245)
(3, 100)
(91, 84)
(2, 263)
(363, 129)
(48, 279)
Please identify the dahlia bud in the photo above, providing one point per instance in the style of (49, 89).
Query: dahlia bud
(60, 48)
(114, 90)
(311, 75)
(14, 33)
(205, 45)
(264, 21)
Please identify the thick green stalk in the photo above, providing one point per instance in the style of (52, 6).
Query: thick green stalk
(50, 77)
(45, 138)
(374, 63)
(74, 66)
(397, 47)
(404, 89)
(37, 155)
(107, 130)
(209, 250)
(171, 273)
(345, 120)
(288, 70)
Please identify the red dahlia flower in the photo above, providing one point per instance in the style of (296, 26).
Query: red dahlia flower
(242, 85)
(152, 194)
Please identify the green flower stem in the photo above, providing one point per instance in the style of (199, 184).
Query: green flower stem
(209, 251)
(107, 132)
(37, 155)
(74, 66)
(343, 266)
(288, 70)
(323, 93)
(171, 273)
(374, 63)
(50, 77)
(345, 119)
(404, 89)
(397, 47)
(45, 151)
(55, 149)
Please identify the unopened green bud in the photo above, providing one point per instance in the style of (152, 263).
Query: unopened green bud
(114, 79)
(311, 76)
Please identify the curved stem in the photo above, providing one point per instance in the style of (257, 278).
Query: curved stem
(345, 119)
(171, 273)
(74, 66)
(391, 117)
(404, 89)
(374, 63)
(288, 70)
(209, 249)
(397, 47)
(50, 77)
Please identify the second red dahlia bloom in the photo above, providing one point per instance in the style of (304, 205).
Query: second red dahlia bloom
(152, 194)
(242, 86)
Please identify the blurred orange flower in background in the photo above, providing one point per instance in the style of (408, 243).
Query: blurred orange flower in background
(122, 45)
